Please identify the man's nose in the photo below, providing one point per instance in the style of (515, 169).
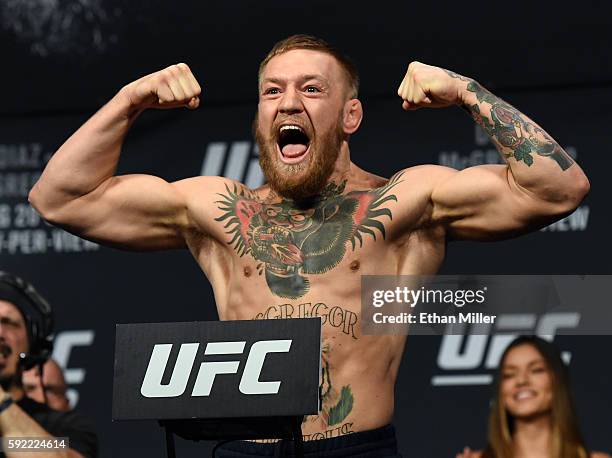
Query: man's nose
(290, 102)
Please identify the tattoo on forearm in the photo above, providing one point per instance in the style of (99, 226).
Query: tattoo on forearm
(516, 136)
(457, 75)
(291, 241)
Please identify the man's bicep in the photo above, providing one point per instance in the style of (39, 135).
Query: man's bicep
(140, 212)
(485, 203)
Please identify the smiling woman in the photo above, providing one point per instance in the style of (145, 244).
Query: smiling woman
(533, 413)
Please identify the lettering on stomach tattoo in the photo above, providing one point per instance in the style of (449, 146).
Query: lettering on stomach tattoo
(290, 242)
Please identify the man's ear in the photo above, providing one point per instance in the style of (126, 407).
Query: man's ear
(352, 116)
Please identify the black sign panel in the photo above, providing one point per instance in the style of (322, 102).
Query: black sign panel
(213, 369)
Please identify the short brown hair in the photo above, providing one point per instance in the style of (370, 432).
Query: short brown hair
(316, 44)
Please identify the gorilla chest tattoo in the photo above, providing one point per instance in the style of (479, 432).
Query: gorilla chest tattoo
(293, 243)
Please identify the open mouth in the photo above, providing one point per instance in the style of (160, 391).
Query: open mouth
(293, 143)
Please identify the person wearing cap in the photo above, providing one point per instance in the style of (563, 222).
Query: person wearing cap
(20, 416)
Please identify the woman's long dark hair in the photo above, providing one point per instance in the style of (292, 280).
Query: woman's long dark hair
(566, 439)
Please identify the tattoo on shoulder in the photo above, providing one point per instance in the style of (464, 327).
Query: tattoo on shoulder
(290, 242)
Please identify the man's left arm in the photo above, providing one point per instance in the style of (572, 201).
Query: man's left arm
(538, 184)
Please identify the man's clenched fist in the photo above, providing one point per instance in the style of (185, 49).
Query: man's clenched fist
(428, 86)
(172, 87)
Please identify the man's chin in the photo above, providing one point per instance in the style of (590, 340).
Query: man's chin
(296, 189)
(304, 179)
(297, 181)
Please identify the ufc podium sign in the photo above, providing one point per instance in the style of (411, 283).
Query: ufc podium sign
(217, 369)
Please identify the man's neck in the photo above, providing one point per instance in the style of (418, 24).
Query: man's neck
(342, 167)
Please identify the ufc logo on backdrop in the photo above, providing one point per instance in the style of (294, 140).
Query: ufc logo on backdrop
(482, 349)
(64, 343)
(235, 160)
(152, 386)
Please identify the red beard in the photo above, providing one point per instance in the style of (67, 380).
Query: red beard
(307, 178)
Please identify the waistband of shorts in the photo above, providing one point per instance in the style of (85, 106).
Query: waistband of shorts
(382, 437)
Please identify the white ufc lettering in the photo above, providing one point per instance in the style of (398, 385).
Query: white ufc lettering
(249, 382)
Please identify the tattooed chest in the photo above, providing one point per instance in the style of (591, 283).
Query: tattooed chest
(290, 244)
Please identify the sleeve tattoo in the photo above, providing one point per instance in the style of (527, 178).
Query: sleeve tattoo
(513, 133)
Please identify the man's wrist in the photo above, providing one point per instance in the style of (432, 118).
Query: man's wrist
(467, 98)
(124, 100)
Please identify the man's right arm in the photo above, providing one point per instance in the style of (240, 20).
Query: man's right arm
(78, 189)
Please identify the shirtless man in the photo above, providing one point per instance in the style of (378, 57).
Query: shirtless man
(298, 245)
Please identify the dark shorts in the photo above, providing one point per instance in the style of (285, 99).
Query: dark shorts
(374, 443)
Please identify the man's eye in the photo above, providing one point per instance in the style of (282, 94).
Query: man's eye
(272, 90)
(312, 89)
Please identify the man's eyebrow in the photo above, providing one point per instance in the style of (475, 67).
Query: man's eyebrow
(314, 77)
(272, 80)
(302, 78)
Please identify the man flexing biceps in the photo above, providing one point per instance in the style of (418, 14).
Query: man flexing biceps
(298, 245)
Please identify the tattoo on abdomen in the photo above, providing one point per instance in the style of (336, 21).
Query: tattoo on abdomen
(334, 316)
(291, 243)
(508, 127)
(336, 405)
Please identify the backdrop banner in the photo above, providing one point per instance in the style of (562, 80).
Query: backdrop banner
(443, 388)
